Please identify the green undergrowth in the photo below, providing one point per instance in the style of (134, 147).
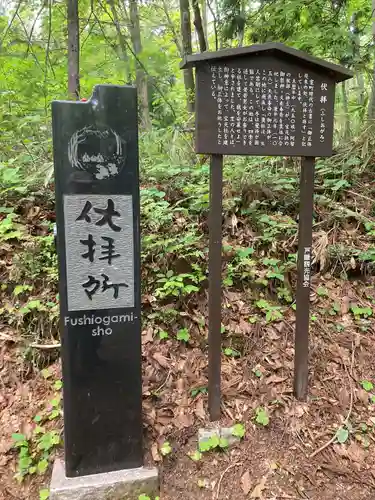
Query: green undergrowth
(260, 231)
(260, 226)
(35, 448)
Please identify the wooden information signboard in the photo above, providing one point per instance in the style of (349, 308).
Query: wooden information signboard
(266, 99)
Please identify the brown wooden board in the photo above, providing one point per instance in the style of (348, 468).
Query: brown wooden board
(264, 105)
(338, 73)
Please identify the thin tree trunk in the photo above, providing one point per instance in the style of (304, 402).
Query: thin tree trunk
(172, 28)
(205, 22)
(186, 50)
(218, 22)
(73, 49)
(141, 77)
(241, 33)
(356, 54)
(199, 26)
(122, 41)
(371, 108)
(361, 89)
(215, 24)
(346, 110)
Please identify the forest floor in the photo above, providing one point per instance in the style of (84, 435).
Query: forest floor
(278, 461)
(321, 449)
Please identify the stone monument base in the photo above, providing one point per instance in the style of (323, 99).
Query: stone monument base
(118, 485)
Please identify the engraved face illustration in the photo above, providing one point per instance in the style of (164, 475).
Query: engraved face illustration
(101, 153)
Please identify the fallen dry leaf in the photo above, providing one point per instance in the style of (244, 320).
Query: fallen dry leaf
(274, 379)
(184, 421)
(244, 326)
(356, 453)
(234, 223)
(363, 396)
(345, 305)
(199, 409)
(246, 482)
(33, 212)
(343, 398)
(180, 384)
(162, 360)
(147, 335)
(155, 452)
(258, 490)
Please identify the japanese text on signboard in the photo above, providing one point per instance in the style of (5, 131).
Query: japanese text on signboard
(263, 107)
(306, 267)
(99, 251)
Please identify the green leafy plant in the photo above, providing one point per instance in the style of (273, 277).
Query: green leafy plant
(176, 285)
(273, 313)
(43, 494)
(342, 435)
(183, 335)
(275, 270)
(240, 267)
(163, 334)
(58, 385)
(198, 390)
(10, 229)
(367, 385)
(363, 427)
(238, 430)
(360, 312)
(35, 451)
(212, 443)
(285, 294)
(19, 289)
(165, 449)
(253, 319)
(228, 351)
(261, 417)
(195, 455)
(334, 310)
(46, 373)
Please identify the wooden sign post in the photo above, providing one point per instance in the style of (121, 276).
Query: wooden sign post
(263, 100)
(214, 286)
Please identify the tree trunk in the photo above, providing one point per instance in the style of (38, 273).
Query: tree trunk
(199, 26)
(186, 51)
(172, 28)
(219, 34)
(214, 17)
(205, 22)
(371, 108)
(141, 77)
(121, 40)
(241, 32)
(361, 89)
(346, 111)
(73, 49)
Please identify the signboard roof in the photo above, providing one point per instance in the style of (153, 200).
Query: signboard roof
(336, 72)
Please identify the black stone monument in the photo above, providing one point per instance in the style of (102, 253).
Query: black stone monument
(98, 241)
(263, 100)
